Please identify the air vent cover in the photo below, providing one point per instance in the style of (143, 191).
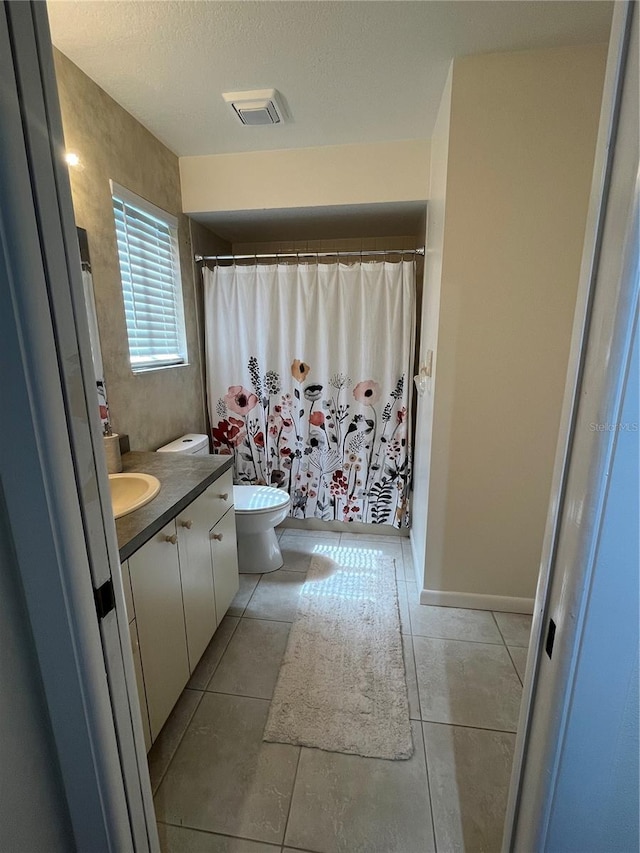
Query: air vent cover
(257, 107)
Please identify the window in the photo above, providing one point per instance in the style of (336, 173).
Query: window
(151, 283)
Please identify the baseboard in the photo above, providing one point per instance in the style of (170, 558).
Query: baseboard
(477, 601)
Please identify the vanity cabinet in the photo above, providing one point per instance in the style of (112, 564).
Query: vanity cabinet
(182, 582)
(157, 599)
(224, 558)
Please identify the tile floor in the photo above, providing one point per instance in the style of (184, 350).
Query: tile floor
(219, 789)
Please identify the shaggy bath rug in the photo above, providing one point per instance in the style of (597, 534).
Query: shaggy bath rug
(342, 684)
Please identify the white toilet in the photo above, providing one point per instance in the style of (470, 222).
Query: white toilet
(258, 510)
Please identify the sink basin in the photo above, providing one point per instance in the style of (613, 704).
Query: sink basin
(131, 491)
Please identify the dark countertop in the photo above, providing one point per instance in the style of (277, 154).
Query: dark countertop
(182, 479)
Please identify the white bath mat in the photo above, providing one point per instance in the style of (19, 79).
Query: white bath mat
(342, 684)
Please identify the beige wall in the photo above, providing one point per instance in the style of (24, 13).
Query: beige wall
(307, 177)
(155, 407)
(520, 157)
(429, 326)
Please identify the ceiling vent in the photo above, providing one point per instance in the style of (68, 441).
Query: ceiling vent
(260, 106)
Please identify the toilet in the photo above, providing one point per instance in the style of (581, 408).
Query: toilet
(258, 510)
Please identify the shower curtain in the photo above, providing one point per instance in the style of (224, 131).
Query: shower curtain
(308, 387)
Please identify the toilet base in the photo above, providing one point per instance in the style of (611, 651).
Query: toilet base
(259, 553)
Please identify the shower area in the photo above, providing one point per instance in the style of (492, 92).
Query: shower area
(309, 358)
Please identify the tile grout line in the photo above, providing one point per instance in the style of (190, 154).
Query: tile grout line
(514, 665)
(464, 726)
(293, 789)
(224, 651)
(426, 767)
(220, 834)
(498, 627)
(180, 739)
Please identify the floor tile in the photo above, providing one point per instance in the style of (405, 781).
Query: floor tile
(412, 681)
(248, 583)
(179, 839)
(469, 684)
(403, 604)
(224, 778)
(276, 596)
(409, 568)
(374, 537)
(469, 773)
(515, 628)
(212, 654)
(168, 740)
(348, 804)
(251, 663)
(375, 548)
(318, 534)
(412, 593)
(519, 658)
(454, 623)
(298, 550)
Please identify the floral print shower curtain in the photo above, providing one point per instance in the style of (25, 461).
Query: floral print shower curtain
(308, 369)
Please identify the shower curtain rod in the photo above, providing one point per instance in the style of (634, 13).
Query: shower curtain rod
(336, 254)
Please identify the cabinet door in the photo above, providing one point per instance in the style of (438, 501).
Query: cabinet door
(224, 556)
(218, 498)
(197, 576)
(142, 696)
(157, 595)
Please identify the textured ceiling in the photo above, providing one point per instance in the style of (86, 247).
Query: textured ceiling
(349, 71)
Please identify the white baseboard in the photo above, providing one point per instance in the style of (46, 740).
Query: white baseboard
(477, 601)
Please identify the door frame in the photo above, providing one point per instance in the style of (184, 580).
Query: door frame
(53, 473)
(598, 362)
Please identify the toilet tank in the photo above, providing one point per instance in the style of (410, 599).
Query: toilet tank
(193, 444)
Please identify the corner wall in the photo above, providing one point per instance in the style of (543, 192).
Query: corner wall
(154, 407)
(328, 175)
(434, 247)
(520, 157)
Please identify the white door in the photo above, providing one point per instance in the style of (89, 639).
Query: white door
(54, 481)
(575, 778)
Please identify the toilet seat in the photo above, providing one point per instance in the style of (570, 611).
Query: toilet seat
(258, 499)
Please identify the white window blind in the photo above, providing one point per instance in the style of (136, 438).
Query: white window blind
(151, 283)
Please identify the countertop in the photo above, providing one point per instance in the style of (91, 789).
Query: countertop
(182, 479)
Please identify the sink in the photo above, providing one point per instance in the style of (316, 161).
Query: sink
(131, 491)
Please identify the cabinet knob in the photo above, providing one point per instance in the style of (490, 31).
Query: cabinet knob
(224, 496)
(173, 538)
(217, 537)
(188, 524)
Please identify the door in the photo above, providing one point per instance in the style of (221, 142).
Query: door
(574, 785)
(55, 487)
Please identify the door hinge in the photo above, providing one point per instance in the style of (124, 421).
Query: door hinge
(104, 598)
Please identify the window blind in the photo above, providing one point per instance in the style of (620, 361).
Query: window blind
(151, 284)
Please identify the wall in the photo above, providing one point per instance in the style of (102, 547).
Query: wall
(160, 405)
(307, 177)
(434, 244)
(520, 157)
(33, 810)
(203, 242)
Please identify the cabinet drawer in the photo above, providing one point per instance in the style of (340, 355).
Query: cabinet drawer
(218, 498)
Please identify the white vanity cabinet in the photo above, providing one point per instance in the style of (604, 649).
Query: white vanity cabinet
(135, 651)
(157, 598)
(182, 582)
(207, 582)
(224, 558)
